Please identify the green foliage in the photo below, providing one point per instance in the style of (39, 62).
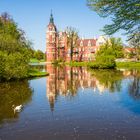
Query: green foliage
(34, 60)
(36, 56)
(105, 57)
(113, 47)
(14, 54)
(125, 14)
(13, 66)
(131, 65)
(36, 73)
(77, 64)
(58, 62)
(103, 62)
(39, 55)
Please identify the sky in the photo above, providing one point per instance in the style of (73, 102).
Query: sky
(33, 17)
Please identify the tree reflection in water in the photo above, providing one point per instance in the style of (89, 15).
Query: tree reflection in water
(109, 79)
(134, 88)
(13, 93)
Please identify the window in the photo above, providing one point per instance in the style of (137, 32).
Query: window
(89, 43)
(81, 43)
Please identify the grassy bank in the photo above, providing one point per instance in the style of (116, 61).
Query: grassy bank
(93, 65)
(34, 60)
(128, 64)
(36, 73)
(32, 73)
(77, 64)
(118, 64)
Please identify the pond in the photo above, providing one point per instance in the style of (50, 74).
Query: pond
(72, 103)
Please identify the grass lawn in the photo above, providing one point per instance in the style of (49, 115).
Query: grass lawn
(118, 64)
(77, 64)
(36, 73)
(34, 60)
(92, 65)
(128, 64)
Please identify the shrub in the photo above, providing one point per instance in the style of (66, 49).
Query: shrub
(104, 62)
(13, 66)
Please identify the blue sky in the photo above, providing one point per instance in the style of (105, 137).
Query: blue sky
(33, 17)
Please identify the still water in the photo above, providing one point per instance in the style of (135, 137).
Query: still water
(72, 104)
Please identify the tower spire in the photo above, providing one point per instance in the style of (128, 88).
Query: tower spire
(51, 18)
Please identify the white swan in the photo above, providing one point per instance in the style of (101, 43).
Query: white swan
(17, 108)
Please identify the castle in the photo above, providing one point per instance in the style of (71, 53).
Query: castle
(85, 50)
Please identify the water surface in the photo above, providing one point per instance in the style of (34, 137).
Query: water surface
(73, 104)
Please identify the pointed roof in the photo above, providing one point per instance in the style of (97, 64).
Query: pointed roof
(51, 18)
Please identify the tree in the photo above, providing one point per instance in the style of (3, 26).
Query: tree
(135, 42)
(108, 52)
(113, 47)
(39, 55)
(72, 37)
(125, 14)
(14, 54)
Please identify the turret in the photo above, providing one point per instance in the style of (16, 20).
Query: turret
(51, 49)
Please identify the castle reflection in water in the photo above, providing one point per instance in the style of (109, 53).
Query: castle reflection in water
(66, 81)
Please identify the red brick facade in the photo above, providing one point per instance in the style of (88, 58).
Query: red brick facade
(57, 46)
(51, 41)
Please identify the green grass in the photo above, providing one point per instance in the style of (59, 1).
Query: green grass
(128, 64)
(34, 60)
(118, 64)
(37, 73)
(92, 65)
(42, 60)
(77, 64)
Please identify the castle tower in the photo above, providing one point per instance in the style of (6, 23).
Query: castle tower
(51, 44)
